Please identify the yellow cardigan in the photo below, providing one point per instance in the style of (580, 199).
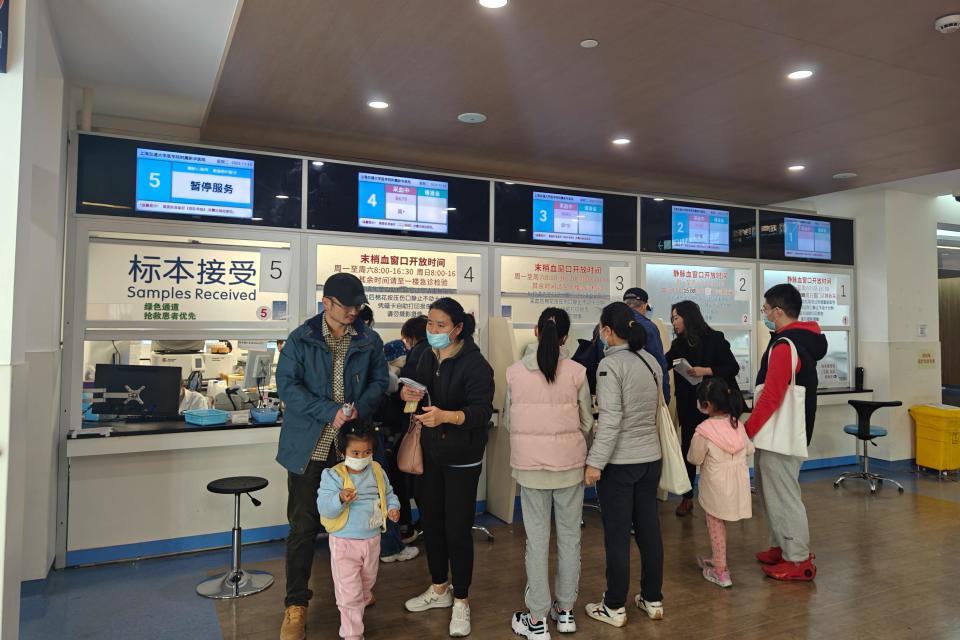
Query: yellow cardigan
(336, 524)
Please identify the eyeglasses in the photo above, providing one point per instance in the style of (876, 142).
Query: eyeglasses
(765, 309)
(356, 307)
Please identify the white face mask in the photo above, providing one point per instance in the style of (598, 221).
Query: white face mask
(357, 464)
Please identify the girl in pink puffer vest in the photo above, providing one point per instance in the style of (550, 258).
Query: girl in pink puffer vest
(548, 412)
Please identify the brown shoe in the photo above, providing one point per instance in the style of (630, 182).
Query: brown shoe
(294, 623)
(685, 508)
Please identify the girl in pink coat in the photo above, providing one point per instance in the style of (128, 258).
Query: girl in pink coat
(720, 446)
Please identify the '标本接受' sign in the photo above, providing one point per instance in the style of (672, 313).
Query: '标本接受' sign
(176, 284)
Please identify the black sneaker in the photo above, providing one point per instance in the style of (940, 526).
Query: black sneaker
(522, 626)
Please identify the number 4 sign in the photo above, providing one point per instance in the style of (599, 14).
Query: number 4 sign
(469, 274)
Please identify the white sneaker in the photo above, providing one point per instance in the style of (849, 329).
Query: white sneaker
(600, 611)
(654, 610)
(407, 553)
(460, 620)
(563, 618)
(430, 599)
(522, 625)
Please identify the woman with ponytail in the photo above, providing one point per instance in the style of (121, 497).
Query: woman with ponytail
(720, 446)
(459, 384)
(625, 462)
(548, 413)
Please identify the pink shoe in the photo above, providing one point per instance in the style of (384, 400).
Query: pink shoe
(719, 578)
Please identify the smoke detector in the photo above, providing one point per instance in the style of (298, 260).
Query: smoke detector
(948, 24)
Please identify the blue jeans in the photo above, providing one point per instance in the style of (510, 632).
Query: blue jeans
(390, 541)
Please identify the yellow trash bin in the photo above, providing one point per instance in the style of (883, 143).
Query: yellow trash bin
(938, 436)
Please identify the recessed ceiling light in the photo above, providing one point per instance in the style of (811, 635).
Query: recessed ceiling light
(522, 230)
(471, 117)
(378, 104)
(451, 208)
(800, 74)
(257, 219)
(282, 197)
(796, 167)
(621, 141)
(317, 163)
(493, 4)
(589, 43)
(658, 199)
(846, 175)
(508, 182)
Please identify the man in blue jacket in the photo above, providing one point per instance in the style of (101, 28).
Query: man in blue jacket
(639, 302)
(331, 360)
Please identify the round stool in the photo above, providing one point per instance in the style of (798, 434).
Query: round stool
(237, 582)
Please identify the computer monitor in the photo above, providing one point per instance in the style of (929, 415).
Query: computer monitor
(134, 390)
(259, 368)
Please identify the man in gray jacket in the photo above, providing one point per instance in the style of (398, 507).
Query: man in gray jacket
(625, 464)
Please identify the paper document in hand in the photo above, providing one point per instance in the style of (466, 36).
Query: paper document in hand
(413, 384)
(411, 406)
(683, 367)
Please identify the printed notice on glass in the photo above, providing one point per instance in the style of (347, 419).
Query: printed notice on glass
(401, 283)
(826, 296)
(723, 293)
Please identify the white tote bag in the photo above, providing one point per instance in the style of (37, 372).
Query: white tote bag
(673, 473)
(785, 431)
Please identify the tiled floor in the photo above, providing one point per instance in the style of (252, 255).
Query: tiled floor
(155, 599)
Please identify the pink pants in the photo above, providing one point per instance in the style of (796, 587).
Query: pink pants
(354, 565)
(718, 541)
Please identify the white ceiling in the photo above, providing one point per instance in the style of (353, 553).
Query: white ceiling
(151, 60)
(934, 184)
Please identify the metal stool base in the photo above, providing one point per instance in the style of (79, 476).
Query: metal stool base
(872, 478)
(484, 531)
(235, 585)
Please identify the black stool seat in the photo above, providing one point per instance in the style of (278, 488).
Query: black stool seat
(237, 485)
(870, 406)
(237, 582)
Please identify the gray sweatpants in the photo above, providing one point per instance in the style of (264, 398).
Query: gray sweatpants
(778, 477)
(567, 505)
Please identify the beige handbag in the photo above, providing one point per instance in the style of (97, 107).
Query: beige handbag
(410, 452)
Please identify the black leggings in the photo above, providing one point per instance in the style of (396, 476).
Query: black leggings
(447, 498)
(687, 430)
(628, 499)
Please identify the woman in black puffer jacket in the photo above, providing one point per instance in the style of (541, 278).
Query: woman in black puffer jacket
(459, 384)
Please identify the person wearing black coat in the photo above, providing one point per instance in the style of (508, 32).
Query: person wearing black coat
(709, 355)
(460, 388)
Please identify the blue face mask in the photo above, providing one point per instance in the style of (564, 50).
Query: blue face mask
(769, 323)
(603, 342)
(438, 340)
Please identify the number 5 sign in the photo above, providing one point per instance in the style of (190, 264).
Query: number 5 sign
(274, 270)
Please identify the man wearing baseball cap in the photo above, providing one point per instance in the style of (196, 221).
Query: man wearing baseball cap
(639, 302)
(331, 361)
